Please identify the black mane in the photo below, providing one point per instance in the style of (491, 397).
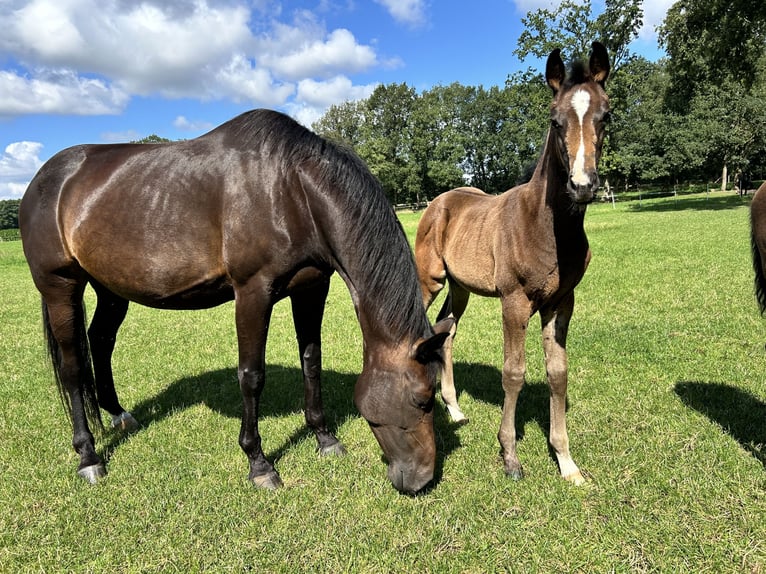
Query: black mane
(383, 269)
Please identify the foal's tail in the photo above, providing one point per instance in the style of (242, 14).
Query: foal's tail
(87, 380)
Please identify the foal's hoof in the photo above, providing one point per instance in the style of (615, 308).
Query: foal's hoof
(575, 478)
(457, 415)
(92, 473)
(335, 449)
(268, 481)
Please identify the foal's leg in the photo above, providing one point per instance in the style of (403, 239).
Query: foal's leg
(110, 313)
(516, 312)
(454, 307)
(308, 309)
(252, 312)
(555, 324)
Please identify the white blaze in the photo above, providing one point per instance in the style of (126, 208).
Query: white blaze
(580, 103)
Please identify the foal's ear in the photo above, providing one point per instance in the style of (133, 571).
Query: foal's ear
(427, 350)
(599, 63)
(555, 71)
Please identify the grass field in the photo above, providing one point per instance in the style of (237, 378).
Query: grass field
(667, 416)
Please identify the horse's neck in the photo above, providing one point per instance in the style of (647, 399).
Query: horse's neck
(545, 195)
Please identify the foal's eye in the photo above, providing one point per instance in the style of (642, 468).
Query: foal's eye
(607, 118)
(555, 124)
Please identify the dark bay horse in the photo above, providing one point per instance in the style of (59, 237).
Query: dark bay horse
(526, 246)
(758, 244)
(256, 210)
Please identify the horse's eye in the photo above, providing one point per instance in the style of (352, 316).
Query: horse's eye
(555, 124)
(423, 402)
(607, 118)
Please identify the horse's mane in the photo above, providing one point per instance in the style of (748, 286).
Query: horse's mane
(385, 272)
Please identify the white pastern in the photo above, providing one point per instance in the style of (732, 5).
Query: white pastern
(580, 104)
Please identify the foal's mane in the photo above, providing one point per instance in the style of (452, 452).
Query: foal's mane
(373, 242)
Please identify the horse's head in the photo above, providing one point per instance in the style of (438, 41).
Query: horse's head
(395, 393)
(579, 113)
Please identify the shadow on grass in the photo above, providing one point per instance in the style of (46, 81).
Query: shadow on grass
(696, 202)
(485, 384)
(282, 396)
(740, 414)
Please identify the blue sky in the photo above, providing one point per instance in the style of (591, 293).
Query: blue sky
(99, 71)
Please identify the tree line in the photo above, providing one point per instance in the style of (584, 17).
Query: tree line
(697, 115)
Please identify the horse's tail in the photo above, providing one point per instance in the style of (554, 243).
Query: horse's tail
(760, 277)
(82, 348)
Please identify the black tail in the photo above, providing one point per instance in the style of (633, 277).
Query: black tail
(760, 278)
(90, 399)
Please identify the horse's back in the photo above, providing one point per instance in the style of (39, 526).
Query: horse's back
(454, 233)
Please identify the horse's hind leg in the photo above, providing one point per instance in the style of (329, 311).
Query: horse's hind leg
(102, 333)
(555, 324)
(308, 309)
(64, 318)
(454, 306)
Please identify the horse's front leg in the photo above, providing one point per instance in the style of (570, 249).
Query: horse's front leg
(555, 324)
(308, 310)
(516, 312)
(253, 312)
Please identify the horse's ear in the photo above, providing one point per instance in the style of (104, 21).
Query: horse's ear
(599, 63)
(555, 71)
(427, 350)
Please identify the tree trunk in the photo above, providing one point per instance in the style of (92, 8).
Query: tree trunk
(724, 177)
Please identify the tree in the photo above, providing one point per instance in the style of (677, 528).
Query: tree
(154, 138)
(708, 41)
(9, 213)
(572, 28)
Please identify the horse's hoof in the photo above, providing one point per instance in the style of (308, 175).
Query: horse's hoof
(335, 449)
(516, 473)
(268, 481)
(92, 473)
(124, 422)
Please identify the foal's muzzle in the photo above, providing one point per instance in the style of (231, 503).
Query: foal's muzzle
(583, 194)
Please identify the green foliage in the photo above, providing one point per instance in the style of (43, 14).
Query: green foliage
(572, 28)
(708, 41)
(667, 399)
(9, 213)
(154, 138)
(9, 235)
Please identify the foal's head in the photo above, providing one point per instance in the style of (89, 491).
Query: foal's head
(579, 113)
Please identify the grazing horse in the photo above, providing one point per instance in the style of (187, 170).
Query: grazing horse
(758, 244)
(256, 210)
(526, 246)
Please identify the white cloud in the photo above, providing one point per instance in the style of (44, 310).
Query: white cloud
(90, 56)
(411, 12)
(313, 97)
(654, 15)
(58, 91)
(324, 94)
(322, 58)
(186, 125)
(18, 164)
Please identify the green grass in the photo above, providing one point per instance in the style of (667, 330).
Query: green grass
(667, 415)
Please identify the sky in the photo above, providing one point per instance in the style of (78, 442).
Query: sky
(102, 71)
